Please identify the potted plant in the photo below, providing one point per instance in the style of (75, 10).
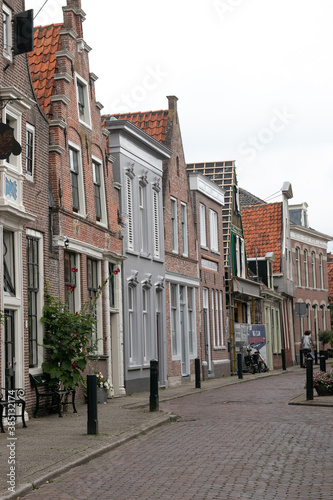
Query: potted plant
(103, 386)
(323, 383)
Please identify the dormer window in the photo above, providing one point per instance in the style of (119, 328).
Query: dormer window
(83, 101)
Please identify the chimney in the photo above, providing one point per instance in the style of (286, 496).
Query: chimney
(172, 102)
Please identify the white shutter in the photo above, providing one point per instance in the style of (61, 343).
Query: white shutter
(129, 212)
(156, 225)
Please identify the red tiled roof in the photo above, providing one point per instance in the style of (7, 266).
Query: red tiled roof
(43, 62)
(153, 123)
(262, 227)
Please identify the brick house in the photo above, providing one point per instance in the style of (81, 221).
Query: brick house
(242, 293)
(181, 261)
(310, 274)
(269, 250)
(24, 199)
(207, 202)
(84, 228)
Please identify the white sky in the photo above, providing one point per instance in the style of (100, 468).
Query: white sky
(254, 79)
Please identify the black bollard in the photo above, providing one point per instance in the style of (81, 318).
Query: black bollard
(301, 361)
(322, 361)
(309, 379)
(92, 424)
(197, 373)
(239, 365)
(283, 357)
(316, 356)
(153, 401)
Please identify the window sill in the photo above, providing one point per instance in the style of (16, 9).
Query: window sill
(203, 247)
(134, 367)
(85, 124)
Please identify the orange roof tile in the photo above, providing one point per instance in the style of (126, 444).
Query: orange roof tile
(262, 227)
(153, 123)
(43, 62)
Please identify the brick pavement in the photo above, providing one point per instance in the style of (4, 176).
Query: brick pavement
(238, 441)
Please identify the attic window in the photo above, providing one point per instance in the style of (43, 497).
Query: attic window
(83, 101)
(7, 32)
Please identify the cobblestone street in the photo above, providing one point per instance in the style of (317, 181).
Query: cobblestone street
(240, 441)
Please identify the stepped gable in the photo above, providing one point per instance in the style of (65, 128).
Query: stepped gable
(43, 63)
(153, 123)
(262, 227)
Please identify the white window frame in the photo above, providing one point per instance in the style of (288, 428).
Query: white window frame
(98, 161)
(146, 343)
(214, 240)
(174, 320)
(321, 271)
(313, 269)
(86, 118)
(131, 323)
(15, 121)
(298, 266)
(81, 211)
(98, 334)
(191, 321)
(306, 268)
(213, 316)
(30, 129)
(174, 225)
(40, 299)
(183, 210)
(203, 233)
(7, 51)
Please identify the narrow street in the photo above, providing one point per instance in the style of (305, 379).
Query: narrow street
(240, 441)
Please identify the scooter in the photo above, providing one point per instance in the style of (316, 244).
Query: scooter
(251, 360)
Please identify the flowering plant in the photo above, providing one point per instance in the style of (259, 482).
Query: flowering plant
(102, 382)
(324, 379)
(68, 337)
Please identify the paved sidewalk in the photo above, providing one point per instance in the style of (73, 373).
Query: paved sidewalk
(51, 445)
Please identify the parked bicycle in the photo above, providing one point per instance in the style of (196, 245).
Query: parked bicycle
(254, 361)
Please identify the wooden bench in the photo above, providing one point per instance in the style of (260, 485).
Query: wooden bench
(10, 400)
(59, 397)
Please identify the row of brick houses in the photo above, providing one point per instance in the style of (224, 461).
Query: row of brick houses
(205, 267)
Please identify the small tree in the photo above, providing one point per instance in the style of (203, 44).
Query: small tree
(68, 338)
(325, 337)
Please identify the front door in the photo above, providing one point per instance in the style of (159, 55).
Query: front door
(184, 344)
(206, 330)
(9, 349)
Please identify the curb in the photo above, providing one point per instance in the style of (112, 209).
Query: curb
(129, 436)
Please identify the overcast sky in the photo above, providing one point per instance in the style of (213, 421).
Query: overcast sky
(254, 79)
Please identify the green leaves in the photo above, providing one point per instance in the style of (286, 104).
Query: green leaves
(68, 339)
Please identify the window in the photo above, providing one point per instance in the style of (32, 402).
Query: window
(298, 267)
(29, 151)
(145, 338)
(313, 269)
(97, 189)
(7, 32)
(13, 119)
(270, 275)
(173, 292)
(174, 228)
(156, 225)
(213, 231)
(131, 322)
(221, 319)
(306, 269)
(239, 256)
(203, 239)
(8, 263)
(112, 301)
(323, 317)
(183, 208)
(191, 339)
(83, 100)
(129, 204)
(321, 271)
(92, 286)
(76, 180)
(213, 317)
(33, 291)
(70, 266)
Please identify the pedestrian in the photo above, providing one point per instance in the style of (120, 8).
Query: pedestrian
(306, 343)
